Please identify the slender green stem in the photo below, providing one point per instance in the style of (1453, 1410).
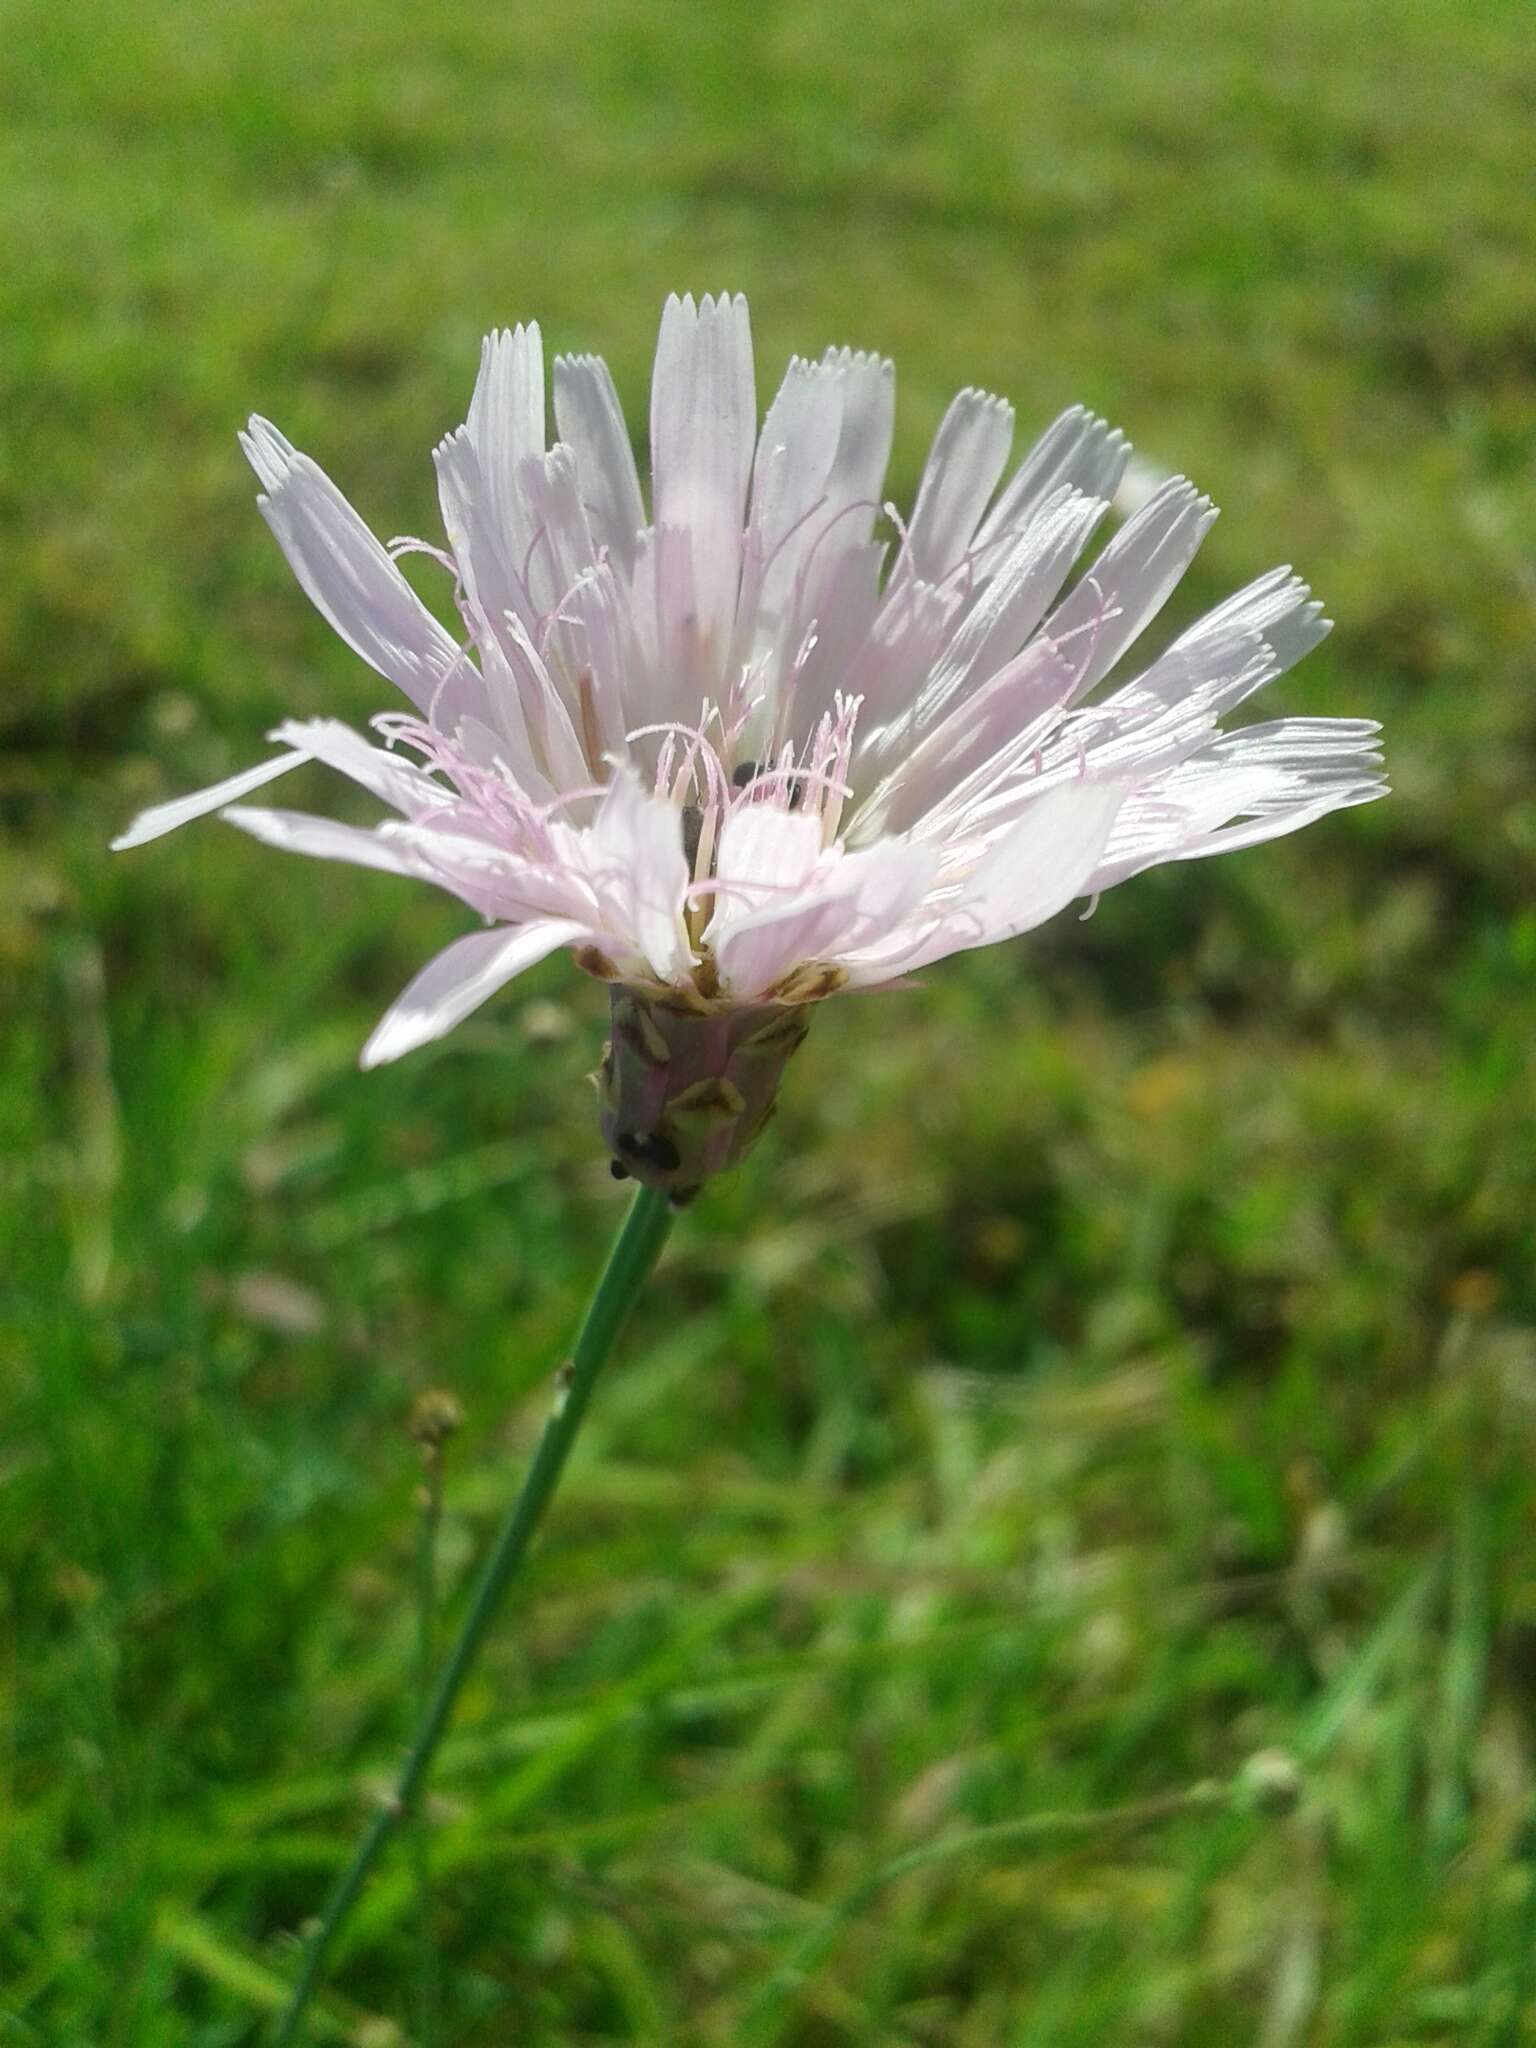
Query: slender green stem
(634, 1253)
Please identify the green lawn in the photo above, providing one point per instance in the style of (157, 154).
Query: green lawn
(1120, 1362)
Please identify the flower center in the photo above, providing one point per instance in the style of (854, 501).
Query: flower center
(708, 780)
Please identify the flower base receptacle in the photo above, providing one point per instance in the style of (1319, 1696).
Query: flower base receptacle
(686, 1093)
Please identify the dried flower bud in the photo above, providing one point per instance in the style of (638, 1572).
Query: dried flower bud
(1270, 1782)
(435, 1417)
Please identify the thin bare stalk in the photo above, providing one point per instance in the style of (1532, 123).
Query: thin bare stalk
(634, 1253)
(435, 1420)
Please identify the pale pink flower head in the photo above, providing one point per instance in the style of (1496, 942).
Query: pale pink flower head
(763, 739)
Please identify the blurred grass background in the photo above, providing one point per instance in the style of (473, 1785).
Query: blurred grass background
(1118, 1364)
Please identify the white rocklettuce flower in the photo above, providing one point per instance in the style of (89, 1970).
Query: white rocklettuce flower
(744, 749)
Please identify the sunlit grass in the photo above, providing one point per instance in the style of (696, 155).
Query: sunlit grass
(1116, 1364)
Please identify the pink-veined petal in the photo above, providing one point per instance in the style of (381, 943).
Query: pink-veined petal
(795, 454)
(1244, 788)
(325, 839)
(1044, 861)
(590, 418)
(969, 452)
(703, 426)
(352, 580)
(181, 810)
(461, 978)
(1077, 449)
(505, 424)
(491, 528)
(1275, 615)
(997, 627)
(1033, 871)
(640, 874)
(857, 899)
(1131, 581)
(764, 848)
(394, 781)
(857, 476)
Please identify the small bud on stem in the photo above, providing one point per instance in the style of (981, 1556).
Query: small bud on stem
(436, 1417)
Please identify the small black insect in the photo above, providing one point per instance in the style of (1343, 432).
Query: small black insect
(693, 831)
(747, 772)
(651, 1149)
